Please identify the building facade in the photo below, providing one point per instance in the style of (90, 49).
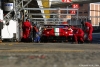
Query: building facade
(84, 10)
(95, 13)
(82, 13)
(90, 11)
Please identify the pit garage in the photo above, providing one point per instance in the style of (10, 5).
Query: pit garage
(45, 12)
(50, 54)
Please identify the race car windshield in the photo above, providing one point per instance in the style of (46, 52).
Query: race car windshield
(55, 26)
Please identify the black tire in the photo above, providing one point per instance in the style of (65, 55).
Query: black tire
(43, 39)
(71, 39)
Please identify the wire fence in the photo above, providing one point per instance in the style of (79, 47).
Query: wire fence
(74, 20)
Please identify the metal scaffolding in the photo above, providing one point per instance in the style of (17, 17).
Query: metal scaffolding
(17, 8)
(55, 19)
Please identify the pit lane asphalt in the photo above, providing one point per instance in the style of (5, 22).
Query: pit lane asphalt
(47, 47)
(51, 47)
(60, 54)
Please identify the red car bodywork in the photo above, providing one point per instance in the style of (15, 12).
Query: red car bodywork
(57, 32)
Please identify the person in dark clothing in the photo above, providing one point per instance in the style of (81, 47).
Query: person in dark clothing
(1, 27)
(0, 37)
(83, 25)
(34, 31)
(36, 36)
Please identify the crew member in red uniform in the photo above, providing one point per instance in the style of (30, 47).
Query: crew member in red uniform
(78, 35)
(89, 30)
(26, 29)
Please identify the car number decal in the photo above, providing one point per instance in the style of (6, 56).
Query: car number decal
(56, 31)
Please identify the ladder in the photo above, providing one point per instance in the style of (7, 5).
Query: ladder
(8, 16)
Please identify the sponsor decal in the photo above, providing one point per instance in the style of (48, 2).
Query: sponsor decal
(56, 31)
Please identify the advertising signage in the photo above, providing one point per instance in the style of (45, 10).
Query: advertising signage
(8, 6)
(75, 6)
(67, 1)
(72, 11)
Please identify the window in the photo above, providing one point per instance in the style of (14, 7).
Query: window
(85, 12)
(81, 5)
(80, 12)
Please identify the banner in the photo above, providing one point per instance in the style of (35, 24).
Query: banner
(75, 6)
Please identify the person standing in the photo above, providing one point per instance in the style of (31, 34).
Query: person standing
(0, 36)
(1, 24)
(34, 31)
(36, 34)
(26, 26)
(1, 27)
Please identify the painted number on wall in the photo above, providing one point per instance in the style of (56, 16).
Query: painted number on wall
(75, 6)
(72, 12)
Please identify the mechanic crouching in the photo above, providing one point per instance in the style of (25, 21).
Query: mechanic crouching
(78, 35)
(36, 35)
(26, 26)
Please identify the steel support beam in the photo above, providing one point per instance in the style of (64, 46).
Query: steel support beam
(49, 14)
(49, 9)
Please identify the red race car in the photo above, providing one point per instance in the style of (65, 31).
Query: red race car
(57, 33)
